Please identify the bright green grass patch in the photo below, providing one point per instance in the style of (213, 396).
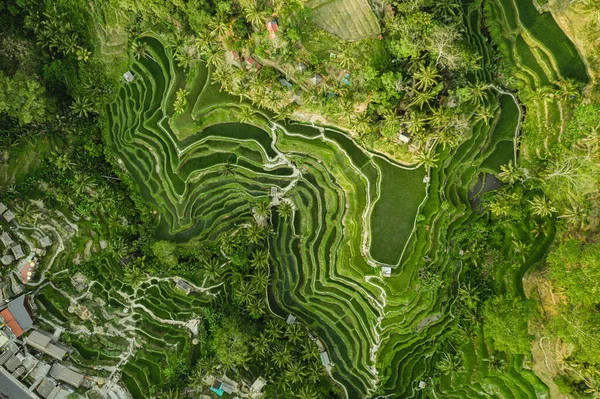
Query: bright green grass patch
(503, 153)
(346, 19)
(394, 213)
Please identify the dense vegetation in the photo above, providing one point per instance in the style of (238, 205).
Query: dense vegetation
(494, 254)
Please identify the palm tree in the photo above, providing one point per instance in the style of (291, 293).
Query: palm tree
(510, 173)
(426, 77)
(306, 392)
(499, 208)
(263, 209)
(346, 111)
(261, 346)
(310, 352)
(575, 215)
(295, 372)
(295, 333)
(139, 49)
(274, 329)
(416, 122)
(253, 233)
(82, 106)
(260, 280)
(478, 92)
(134, 275)
(439, 117)
(254, 15)
(485, 114)
(260, 259)
(245, 114)
(541, 206)
(345, 59)
(427, 158)
(220, 27)
(314, 372)
(243, 292)
(82, 183)
(285, 209)
(101, 200)
(421, 98)
(212, 268)
(449, 365)
(256, 308)
(281, 357)
(469, 296)
(567, 88)
(118, 247)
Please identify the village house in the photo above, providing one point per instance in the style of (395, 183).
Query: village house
(6, 239)
(64, 374)
(18, 315)
(45, 242)
(3, 208)
(40, 340)
(17, 251)
(251, 62)
(128, 76)
(8, 216)
(273, 28)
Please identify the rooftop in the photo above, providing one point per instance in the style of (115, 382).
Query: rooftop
(3, 208)
(12, 388)
(64, 374)
(291, 319)
(325, 358)
(128, 76)
(45, 241)
(17, 251)
(18, 315)
(6, 239)
(8, 216)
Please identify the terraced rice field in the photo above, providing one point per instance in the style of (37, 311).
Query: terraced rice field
(354, 211)
(536, 44)
(347, 19)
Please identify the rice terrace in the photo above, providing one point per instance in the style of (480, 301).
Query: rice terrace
(299, 199)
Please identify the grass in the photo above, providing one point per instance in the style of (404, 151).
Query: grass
(395, 211)
(346, 19)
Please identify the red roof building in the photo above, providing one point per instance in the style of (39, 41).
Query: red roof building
(10, 321)
(18, 315)
(273, 28)
(252, 62)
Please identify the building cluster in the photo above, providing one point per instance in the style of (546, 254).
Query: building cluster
(32, 360)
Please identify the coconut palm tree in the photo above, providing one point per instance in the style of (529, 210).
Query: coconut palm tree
(82, 106)
(263, 209)
(243, 292)
(421, 98)
(82, 183)
(439, 117)
(499, 208)
(260, 280)
(274, 329)
(171, 394)
(134, 275)
(220, 27)
(139, 49)
(255, 15)
(261, 346)
(485, 113)
(478, 92)
(346, 59)
(510, 173)
(306, 392)
(575, 215)
(567, 89)
(260, 259)
(281, 357)
(541, 206)
(314, 372)
(416, 122)
(245, 114)
(211, 268)
(256, 308)
(427, 158)
(449, 365)
(285, 210)
(346, 111)
(295, 333)
(426, 77)
(295, 372)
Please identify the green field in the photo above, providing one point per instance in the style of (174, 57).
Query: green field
(347, 19)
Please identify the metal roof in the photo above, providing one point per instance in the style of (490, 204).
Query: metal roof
(18, 309)
(62, 373)
(13, 389)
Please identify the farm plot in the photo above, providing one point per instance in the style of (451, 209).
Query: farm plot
(346, 19)
(381, 333)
